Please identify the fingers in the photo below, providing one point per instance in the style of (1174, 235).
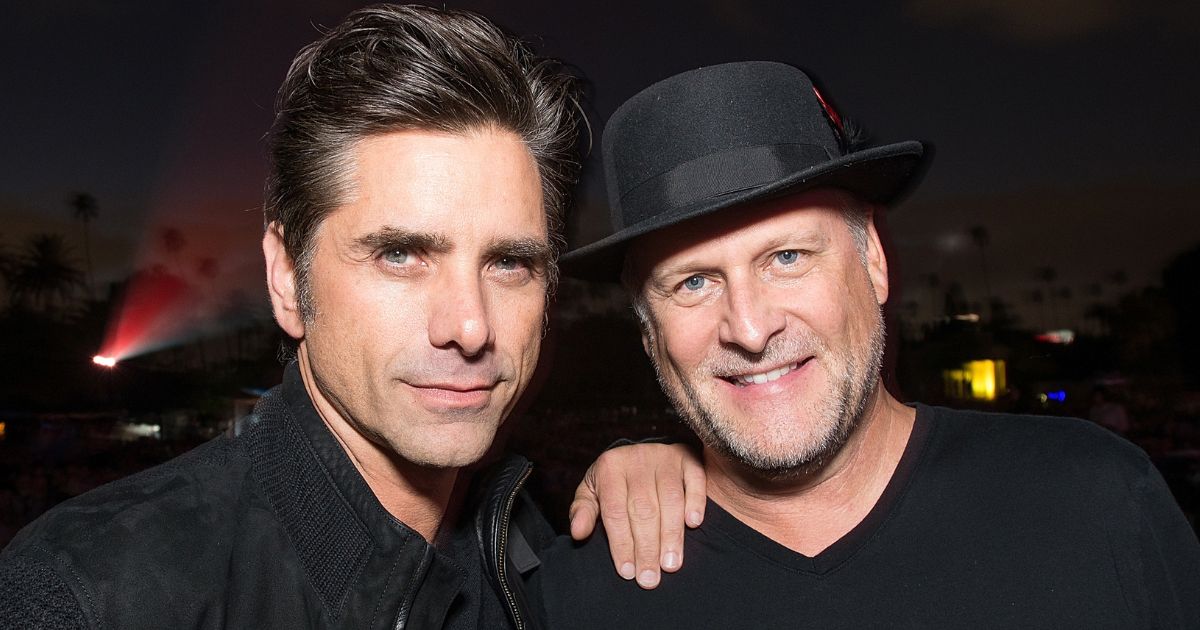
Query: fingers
(605, 489)
(672, 506)
(585, 506)
(583, 513)
(694, 486)
(645, 495)
(681, 495)
(644, 523)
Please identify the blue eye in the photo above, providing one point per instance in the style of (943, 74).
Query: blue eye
(396, 256)
(509, 263)
(694, 283)
(787, 256)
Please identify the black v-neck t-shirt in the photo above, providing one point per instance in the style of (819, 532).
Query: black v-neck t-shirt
(990, 521)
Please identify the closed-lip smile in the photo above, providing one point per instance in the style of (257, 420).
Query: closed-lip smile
(457, 387)
(454, 396)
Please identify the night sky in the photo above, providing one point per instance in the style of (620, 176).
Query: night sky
(1068, 129)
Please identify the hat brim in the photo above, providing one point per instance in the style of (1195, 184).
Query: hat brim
(877, 175)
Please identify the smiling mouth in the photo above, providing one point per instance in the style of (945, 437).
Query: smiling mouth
(454, 397)
(746, 380)
(461, 388)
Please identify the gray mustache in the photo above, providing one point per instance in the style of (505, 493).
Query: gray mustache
(727, 360)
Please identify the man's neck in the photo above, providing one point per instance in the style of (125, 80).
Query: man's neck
(809, 513)
(416, 495)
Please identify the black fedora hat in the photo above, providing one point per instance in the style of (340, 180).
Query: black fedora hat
(724, 136)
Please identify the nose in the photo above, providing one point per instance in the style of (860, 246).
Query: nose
(750, 319)
(458, 314)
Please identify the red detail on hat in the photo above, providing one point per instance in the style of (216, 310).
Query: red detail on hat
(829, 111)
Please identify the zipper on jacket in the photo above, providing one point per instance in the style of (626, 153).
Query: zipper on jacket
(502, 558)
(414, 588)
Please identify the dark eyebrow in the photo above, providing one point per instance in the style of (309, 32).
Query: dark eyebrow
(389, 238)
(537, 251)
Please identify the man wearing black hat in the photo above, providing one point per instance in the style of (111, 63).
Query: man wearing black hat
(744, 234)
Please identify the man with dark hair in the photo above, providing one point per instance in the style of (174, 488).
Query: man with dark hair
(393, 73)
(421, 162)
(743, 231)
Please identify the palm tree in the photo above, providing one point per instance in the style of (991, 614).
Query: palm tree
(1049, 275)
(84, 209)
(981, 238)
(933, 281)
(45, 274)
(956, 300)
(1037, 297)
(173, 242)
(208, 268)
(1102, 314)
(7, 263)
(1066, 295)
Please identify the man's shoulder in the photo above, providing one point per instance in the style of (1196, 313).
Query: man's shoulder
(189, 490)
(113, 537)
(566, 556)
(1034, 444)
(576, 585)
(176, 495)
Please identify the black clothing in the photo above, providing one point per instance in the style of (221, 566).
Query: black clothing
(272, 529)
(990, 521)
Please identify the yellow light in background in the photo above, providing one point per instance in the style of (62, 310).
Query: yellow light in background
(3, 427)
(982, 375)
(954, 382)
(978, 380)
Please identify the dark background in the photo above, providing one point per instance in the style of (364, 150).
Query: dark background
(1062, 196)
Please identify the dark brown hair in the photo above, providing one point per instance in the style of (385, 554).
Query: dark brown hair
(392, 68)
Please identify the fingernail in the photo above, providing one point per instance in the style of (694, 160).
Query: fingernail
(627, 570)
(647, 579)
(693, 519)
(671, 560)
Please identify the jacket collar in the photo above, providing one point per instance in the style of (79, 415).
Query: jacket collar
(369, 568)
(330, 455)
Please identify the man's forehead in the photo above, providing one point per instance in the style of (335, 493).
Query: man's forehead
(808, 214)
(479, 184)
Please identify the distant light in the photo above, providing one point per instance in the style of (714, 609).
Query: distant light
(1058, 396)
(967, 317)
(135, 430)
(952, 242)
(1063, 336)
(104, 361)
(983, 379)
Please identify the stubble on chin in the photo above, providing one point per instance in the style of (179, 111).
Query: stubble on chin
(838, 410)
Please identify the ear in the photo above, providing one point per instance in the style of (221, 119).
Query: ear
(281, 282)
(642, 316)
(877, 267)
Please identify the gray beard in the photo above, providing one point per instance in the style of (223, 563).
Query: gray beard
(844, 405)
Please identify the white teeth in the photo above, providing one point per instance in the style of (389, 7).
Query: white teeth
(764, 377)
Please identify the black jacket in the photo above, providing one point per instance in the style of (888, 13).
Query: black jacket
(272, 529)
